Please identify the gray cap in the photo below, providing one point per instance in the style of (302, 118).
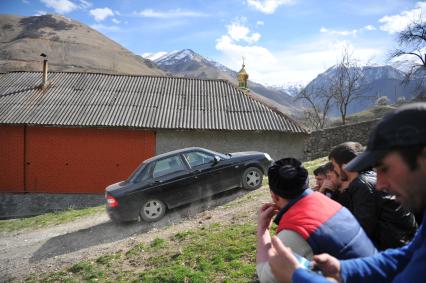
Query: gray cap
(404, 127)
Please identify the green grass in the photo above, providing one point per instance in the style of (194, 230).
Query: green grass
(48, 219)
(216, 253)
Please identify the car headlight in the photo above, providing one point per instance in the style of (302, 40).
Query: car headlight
(267, 156)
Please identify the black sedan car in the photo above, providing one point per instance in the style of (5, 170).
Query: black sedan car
(180, 177)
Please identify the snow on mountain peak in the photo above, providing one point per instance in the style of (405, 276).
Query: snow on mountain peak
(175, 56)
(184, 54)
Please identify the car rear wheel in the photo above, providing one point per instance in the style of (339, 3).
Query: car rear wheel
(252, 178)
(153, 210)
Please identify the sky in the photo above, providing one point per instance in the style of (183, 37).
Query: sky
(282, 41)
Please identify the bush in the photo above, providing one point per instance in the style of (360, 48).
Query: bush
(382, 101)
(400, 101)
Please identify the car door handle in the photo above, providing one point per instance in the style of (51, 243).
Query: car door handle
(158, 182)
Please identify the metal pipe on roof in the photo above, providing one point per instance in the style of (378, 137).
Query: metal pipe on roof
(44, 82)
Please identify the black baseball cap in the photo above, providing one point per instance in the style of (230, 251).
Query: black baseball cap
(404, 127)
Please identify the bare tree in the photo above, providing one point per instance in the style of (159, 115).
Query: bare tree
(346, 84)
(318, 102)
(412, 42)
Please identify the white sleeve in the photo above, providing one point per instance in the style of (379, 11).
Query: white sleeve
(263, 270)
(292, 240)
(296, 243)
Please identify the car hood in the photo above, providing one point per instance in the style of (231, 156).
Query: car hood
(245, 153)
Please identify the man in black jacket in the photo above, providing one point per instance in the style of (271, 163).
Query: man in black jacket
(384, 220)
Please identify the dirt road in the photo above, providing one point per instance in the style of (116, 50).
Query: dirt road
(53, 248)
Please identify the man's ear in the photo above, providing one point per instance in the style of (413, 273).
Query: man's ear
(274, 197)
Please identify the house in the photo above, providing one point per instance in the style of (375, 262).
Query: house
(79, 132)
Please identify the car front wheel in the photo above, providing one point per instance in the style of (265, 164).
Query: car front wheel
(252, 178)
(152, 210)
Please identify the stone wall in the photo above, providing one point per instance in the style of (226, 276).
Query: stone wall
(321, 142)
(24, 205)
(277, 144)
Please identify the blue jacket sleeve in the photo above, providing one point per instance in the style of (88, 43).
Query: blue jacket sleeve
(301, 275)
(390, 265)
(380, 268)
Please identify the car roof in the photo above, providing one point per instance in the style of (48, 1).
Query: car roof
(177, 151)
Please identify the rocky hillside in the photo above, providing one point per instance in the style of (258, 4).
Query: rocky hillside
(70, 46)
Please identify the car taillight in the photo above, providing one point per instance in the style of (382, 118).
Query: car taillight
(111, 201)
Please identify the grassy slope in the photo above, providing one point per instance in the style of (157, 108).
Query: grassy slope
(216, 253)
(375, 112)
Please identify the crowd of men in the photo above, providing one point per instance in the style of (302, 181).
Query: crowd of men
(362, 222)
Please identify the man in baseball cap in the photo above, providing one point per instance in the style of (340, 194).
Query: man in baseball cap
(397, 150)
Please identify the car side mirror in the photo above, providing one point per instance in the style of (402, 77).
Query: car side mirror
(216, 159)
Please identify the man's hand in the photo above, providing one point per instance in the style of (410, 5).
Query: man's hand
(329, 266)
(282, 261)
(266, 212)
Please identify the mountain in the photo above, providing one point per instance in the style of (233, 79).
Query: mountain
(292, 89)
(376, 81)
(187, 63)
(70, 46)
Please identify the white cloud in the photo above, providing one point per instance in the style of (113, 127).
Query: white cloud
(397, 23)
(238, 32)
(238, 42)
(370, 27)
(177, 13)
(268, 6)
(261, 58)
(341, 32)
(353, 32)
(299, 62)
(101, 14)
(115, 21)
(61, 6)
(65, 6)
(101, 27)
(260, 23)
(85, 4)
(25, 2)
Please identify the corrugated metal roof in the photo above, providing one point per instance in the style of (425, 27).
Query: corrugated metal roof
(149, 102)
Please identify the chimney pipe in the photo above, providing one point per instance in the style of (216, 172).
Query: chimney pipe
(44, 82)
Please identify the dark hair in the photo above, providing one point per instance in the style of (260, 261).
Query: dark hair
(320, 170)
(288, 178)
(410, 154)
(328, 167)
(345, 152)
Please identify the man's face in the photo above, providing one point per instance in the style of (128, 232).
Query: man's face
(334, 179)
(319, 180)
(339, 170)
(409, 186)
